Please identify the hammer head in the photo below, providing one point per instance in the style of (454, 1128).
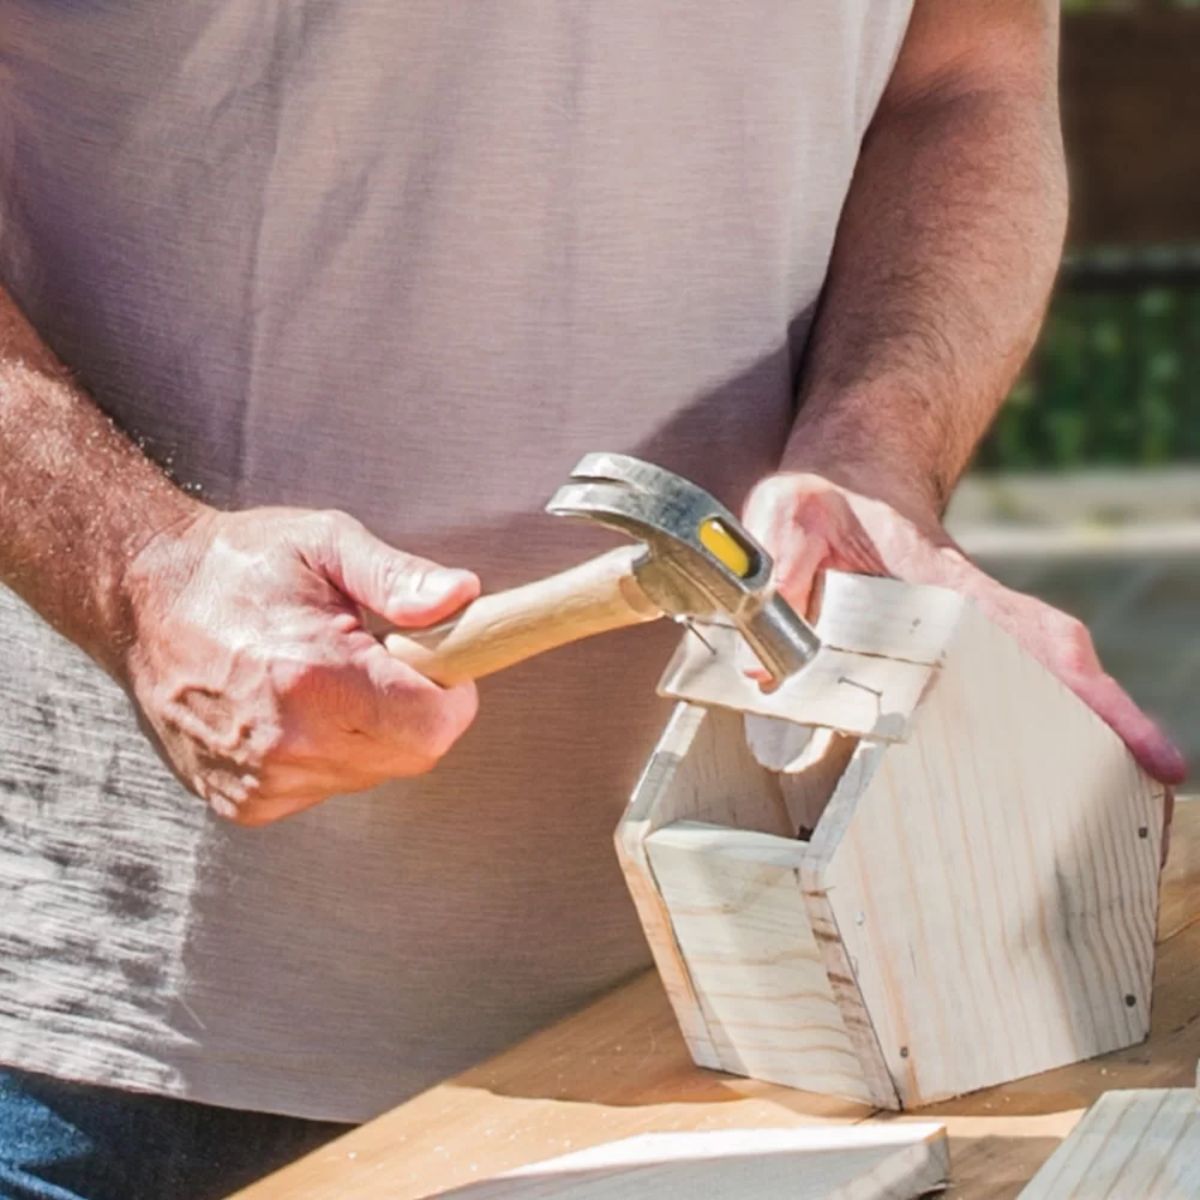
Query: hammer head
(699, 560)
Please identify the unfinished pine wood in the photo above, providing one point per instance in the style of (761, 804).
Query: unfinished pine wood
(981, 882)
(860, 694)
(1144, 1145)
(620, 1067)
(808, 780)
(504, 628)
(740, 923)
(858, 1163)
(865, 617)
(700, 768)
(992, 882)
(902, 621)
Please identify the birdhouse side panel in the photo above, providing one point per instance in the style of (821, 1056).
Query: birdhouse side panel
(741, 925)
(700, 770)
(994, 883)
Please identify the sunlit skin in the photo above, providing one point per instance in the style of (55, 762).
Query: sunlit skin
(238, 635)
(946, 253)
(257, 675)
(810, 524)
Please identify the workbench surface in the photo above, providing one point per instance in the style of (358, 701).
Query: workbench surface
(620, 1067)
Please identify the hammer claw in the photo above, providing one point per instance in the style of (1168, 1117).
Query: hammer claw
(696, 561)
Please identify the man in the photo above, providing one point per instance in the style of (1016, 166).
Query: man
(394, 267)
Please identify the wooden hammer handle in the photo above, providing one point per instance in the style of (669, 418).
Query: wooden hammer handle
(505, 628)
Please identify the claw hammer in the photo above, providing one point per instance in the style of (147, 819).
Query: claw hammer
(693, 561)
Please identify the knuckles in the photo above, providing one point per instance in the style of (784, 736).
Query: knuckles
(298, 678)
(309, 754)
(262, 718)
(330, 523)
(1072, 646)
(798, 503)
(447, 724)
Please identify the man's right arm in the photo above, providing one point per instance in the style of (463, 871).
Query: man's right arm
(238, 635)
(77, 499)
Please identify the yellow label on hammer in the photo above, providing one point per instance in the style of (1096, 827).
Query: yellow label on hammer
(724, 547)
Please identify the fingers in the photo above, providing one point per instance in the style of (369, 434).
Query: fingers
(406, 590)
(1147, 743)
(808, 526)
(1063, 645)
(356, 727)
(263, 689)
(256, 813)
(410, 712)
(334, 714)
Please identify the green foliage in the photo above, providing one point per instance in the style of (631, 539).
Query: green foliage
(1115, 378)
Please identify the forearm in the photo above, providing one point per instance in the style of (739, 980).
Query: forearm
(945, 256)
(77, 498)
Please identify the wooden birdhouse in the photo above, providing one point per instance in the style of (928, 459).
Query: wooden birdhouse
(920, 867)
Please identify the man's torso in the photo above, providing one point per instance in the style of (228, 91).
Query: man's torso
(409, 260)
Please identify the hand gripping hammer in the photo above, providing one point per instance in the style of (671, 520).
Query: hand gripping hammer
(693, 561)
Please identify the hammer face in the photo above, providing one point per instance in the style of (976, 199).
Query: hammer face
(699, 560)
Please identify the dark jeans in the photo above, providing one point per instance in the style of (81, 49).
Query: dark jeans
(70, 1141)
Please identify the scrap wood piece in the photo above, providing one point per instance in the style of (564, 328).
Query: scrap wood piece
(910, 622)
(1138, 1144)
(860, 1162)
(862, 694)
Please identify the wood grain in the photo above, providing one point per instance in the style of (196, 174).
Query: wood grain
(504, 628)
(861, 694)
(855, 1163)
(700, 768)
(904, 621)
(620, 1067)
(1143, 1144)
(740, 921)
(994, 880)
(981, 882)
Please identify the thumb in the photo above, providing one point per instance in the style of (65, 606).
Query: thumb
(404, 589)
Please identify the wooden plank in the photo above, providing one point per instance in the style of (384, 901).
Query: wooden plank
(898, 1163)
(809, 780)
(699, 770)
(740, 923)
(840, 969)
(1143, 1144)
(881, 641)
(865, 614)
(620, 1067)
(702, 770)
(982, 894)
(994, 881)
(1177, 907)
(859, 694)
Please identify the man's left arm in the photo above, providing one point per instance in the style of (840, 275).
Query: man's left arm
(944, 259)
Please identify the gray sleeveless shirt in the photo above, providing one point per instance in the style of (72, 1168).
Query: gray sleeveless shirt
(408, 258)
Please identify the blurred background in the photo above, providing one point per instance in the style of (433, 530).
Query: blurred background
(1087, 491)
